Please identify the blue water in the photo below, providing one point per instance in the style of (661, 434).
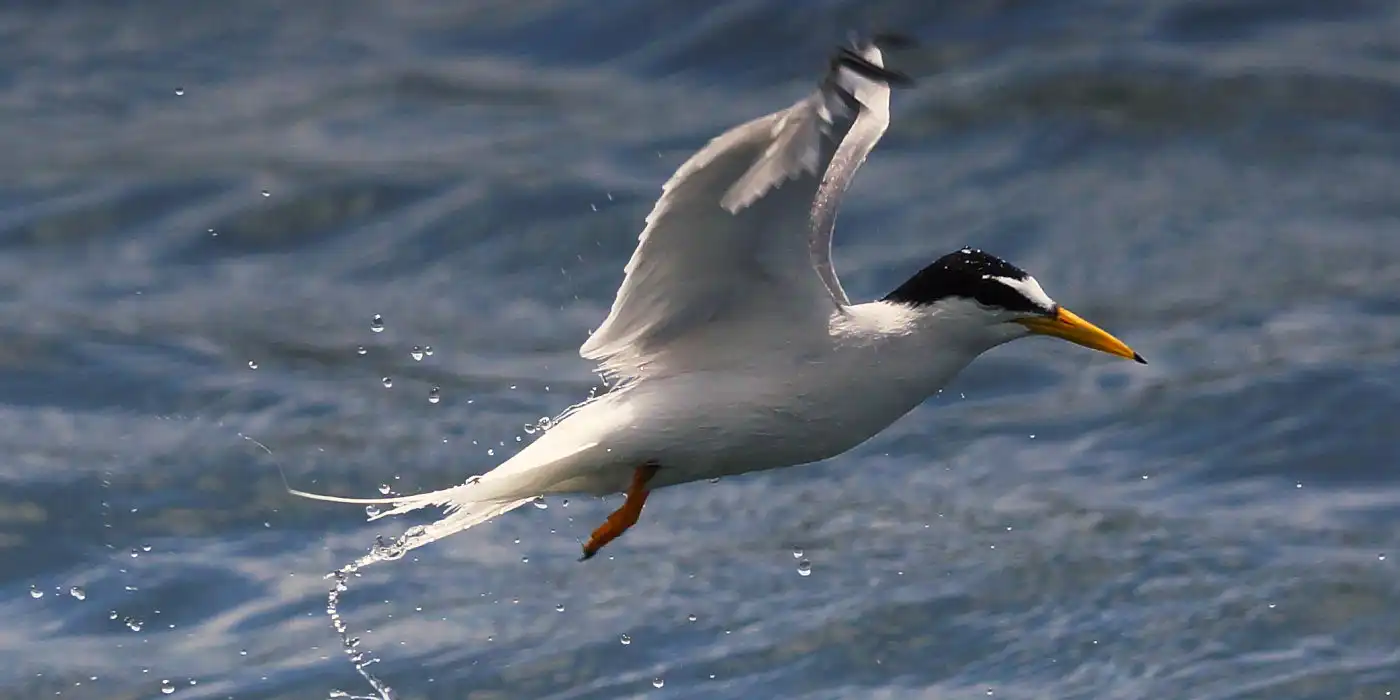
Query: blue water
(1215, 181)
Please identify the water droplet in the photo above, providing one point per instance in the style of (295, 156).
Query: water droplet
(691, 617)
(388, 382)
(1380, 557)
(35, 593)
(361, 350)
(626, 639)
(252, 364)
(135, 553)
(434, 395)
(376, 324)
(242, 652)
(416, 353)
(145, 548)
(266, 193)
(385, 489)
(134, 624)
(167, 687)
(78, 592)
(714, 480)
(539, 503)
(179, 92)
(491, 452)
(796, 552)
(658, 682)
(524, 560)
(213, 233)
(804, 568)
(112, 615)
(371, 511)
(559, 607)
(428, 350)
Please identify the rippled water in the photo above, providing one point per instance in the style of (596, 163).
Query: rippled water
(202, 210)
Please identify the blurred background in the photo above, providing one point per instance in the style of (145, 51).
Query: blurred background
(204, 207)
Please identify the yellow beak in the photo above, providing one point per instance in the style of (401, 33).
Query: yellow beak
(1066, 325)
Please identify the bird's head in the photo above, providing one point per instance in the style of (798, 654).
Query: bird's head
(996, 301)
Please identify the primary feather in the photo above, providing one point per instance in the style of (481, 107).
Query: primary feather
(741, 236)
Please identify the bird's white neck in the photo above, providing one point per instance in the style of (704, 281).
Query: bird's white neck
(917, 348)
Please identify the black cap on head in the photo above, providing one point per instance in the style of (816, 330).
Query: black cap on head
(969, 274)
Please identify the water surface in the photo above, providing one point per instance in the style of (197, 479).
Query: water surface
(189, 194)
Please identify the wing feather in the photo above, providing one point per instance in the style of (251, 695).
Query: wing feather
(741, 235)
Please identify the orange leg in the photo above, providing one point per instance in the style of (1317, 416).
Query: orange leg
(623, 517)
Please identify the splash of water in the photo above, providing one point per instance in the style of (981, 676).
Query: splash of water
(362, 659)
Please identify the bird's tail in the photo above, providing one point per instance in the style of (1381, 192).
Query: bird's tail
(476, 501)
(464, 510)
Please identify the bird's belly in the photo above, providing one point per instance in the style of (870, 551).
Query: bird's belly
(729, 433)
(744, 456)
(709, 424)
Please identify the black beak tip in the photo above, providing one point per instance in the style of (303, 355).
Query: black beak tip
(1138, 359)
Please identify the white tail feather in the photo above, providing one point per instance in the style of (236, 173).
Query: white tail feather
(454, 496)
(503, 489)
(460, 516)
(462, 512)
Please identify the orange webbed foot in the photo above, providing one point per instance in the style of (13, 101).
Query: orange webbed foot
(625, 516)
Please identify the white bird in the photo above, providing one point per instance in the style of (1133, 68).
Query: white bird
(731, 343)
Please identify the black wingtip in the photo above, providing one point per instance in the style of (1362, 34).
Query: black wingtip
(1138, 359)
(850, 59)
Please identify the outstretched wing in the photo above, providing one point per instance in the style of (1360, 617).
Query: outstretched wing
(741, 236)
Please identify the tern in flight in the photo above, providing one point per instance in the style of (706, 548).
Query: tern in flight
(731, 346)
